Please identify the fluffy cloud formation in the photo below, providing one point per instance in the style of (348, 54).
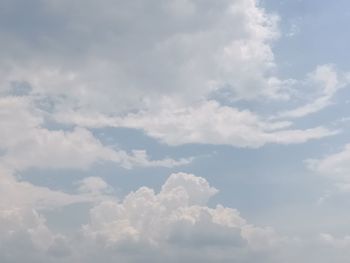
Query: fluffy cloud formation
(174, 224)
(19, 194)
(26, 238)
(156, 64)
(24, 234)
(177, 214)
(159, 66)
(134, 52)
(26, 143)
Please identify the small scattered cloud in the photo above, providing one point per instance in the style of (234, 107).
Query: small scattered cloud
(336, 166)
(327, 82)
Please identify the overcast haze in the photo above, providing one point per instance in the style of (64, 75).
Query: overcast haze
(174, 131)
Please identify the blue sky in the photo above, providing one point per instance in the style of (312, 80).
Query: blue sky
(174, 130)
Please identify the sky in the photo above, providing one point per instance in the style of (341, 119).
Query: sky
(174, 131)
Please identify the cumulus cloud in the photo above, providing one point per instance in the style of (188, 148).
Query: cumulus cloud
(24, 234)
(93, 185)
(135, 52)
(105, 64)
(175, 223)
(154, 66)
(171, 224)
(25, 237)
(26, 143)
(17, 193)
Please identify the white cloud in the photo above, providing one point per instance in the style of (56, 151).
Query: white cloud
(198, 187)
(148, 65)
(336, 165)
(77, 149)
(93, 185)
(181, 52)
(327, 81)
(26, 143)
(15, 193)
(206, 122)
(24, 234)
(116, 55)
(174, 222)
